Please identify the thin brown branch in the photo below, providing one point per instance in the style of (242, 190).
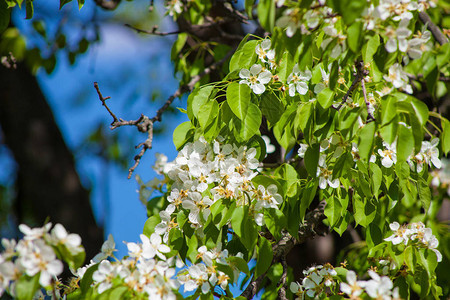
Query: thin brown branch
(435, 30)
(311, 227)
(107, 4)
(282, 282)
(144, 123)
(154, 31)
(364, 72)
(358, 76)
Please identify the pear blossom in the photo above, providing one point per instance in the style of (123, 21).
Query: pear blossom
(174, 7)
(104, 276)
(302, 150)
(325, 81)
(269, 147)
(72, 241)
(398, 78)
(108, 248)
(290, 20)
(398, 37)
(380, 287)
(352, 287)
(325, 175)
(153, 246)
(389, 155)
(34, 233)
(265, 54)
(298, 81)
(255, 78)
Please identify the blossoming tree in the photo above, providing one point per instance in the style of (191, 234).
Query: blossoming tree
(328, 117)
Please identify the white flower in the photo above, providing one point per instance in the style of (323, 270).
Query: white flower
(265, 54)
(302, 150)
(378, 287)
(108, 248)
(325, 81)
(398, 36)
(72, 241)
(298, 81)
(291, 20)
(389, 156)
(401, 234)
(325, 175)
(256, 78)
(353, 288)
(175, 7)
(104, 276)
(269, 147)
(153, 246)
(398, 78)
(297, 289)
(34, 233)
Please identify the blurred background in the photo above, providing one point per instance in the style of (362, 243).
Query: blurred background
(67, 51)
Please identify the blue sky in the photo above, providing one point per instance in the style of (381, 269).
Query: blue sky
(128, 67)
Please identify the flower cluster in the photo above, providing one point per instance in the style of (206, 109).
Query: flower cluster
(205, 274)
(316, 281)
(145, 271)
(416, 234)
(203, 173)
(378, 287)
(35, 255)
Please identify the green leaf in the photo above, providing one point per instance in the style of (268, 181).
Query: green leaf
(244, 57)
(445, 137)
(208, 113)
(150, 224)
(354, 37)
(63, 2)
(238, 219)
(240, 263)
(275, 221)
(364, 211)
(303, 116)
(312, 159)
(333, 210)
(248, 4)
(5, 16)
(325, 98)
(29, 9)
(26, 287)
(421, 111)
(197, 99)
(117, 293)
(373, 235)
(410, 255)
(286, 66)
(238, 98)
(365, 143)
(265, 256)
(308, 194)
(424, 193)
(86, 281)
(80, 4)
(178, 46)
(349, 9)
(266, 14)
(271, 108)
(250, 125)
(405, 143)
(376, 177)
(180, 134)
(370, 48)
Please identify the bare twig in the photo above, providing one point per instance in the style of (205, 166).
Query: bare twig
(309, 228)
(144, 123)
(282, 282)
(364, 72)
(358, 76)
(154, 30)
(435, 30)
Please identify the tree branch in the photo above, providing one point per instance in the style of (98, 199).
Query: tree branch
(144, 123)
(360, 73)
(282, 282)
(307, 230)
(435, 30)
(154, 31)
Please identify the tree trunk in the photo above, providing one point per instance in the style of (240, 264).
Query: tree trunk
(48, 185)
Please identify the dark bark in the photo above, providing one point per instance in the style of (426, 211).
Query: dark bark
(47, 182)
